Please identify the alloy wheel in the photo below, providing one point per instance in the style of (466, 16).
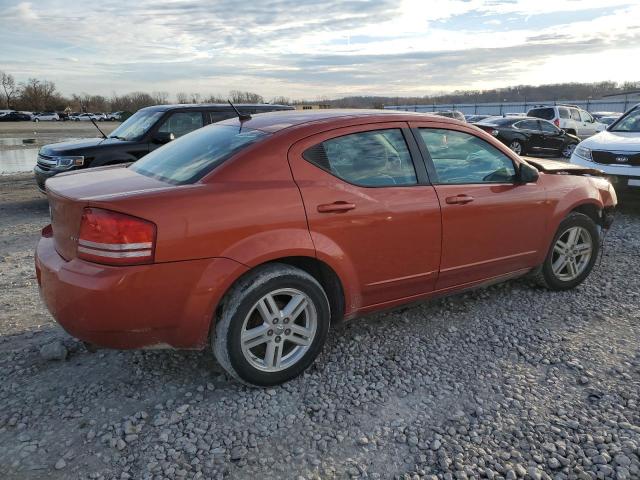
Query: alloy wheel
(279, 329)
(568, 150)
(571, 253)
(516, 147)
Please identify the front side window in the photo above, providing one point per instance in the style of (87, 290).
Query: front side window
(136, 125)
(181, 123)
(549, 127)
(188, 159)
(586, 117)
(378, 158)
(628, 123)
(461, 158)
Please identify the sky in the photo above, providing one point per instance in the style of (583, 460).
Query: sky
(312, 49)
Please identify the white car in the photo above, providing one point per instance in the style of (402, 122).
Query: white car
(569, 118)
(616, 151)
(84, 117)
(46, 117)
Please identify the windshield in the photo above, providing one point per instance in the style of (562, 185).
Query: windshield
(189, 158)
(136, 125)
(628, 123)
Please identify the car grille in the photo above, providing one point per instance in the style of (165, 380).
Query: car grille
(616, 158)
(46, 162)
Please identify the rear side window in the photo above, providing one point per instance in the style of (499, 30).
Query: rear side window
(461, 158)
(549, 127)
(527, 125)
(188, 159)
(544, 113)
(378, 158)
(564, 113)
(181, 123)
(575, 114)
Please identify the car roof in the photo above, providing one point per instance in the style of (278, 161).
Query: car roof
(216, 106)
(275, 121)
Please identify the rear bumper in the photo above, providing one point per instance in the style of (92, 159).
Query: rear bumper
(164, 304)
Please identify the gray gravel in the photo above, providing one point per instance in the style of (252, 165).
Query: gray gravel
(506, 382)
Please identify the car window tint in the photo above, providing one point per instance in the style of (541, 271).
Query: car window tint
(378, 158)
(544, 113)
(463, 158)
(564, 113)
(219, 116)
(191, 157)
(527, 125)
(181, 123)
(548, 127)
(575, 114)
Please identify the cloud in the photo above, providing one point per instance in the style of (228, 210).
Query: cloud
(303, 48)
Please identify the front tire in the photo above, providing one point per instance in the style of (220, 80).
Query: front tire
(567, 150)
(572, 254)
(273, 325)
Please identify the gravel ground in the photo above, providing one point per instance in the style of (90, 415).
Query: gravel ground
(506, 382)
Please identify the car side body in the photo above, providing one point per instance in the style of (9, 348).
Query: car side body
(370, 247)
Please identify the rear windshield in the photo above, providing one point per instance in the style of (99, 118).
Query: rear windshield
(545, 113)
(189, 158)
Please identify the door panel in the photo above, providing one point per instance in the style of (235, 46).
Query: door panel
(490, 225)
(496, 233)
(389, 235)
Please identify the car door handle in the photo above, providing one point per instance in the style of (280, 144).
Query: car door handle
(459, 199)
(336, 207)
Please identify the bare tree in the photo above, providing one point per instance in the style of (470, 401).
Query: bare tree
(39, 95)
(281, 100)
(182, 97)
(161, 98)
(237, 96)
(11, 91)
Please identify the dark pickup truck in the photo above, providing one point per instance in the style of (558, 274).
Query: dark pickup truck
(143, 132)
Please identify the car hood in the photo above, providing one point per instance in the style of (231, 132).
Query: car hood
(623, 141)
(79, 144)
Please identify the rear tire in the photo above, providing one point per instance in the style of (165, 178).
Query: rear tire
(572, 254)
(273, 325)
(517, 147)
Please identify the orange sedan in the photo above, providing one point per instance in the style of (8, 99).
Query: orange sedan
(254, 235)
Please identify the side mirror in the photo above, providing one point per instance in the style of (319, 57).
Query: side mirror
(527, 173)
(163, 137)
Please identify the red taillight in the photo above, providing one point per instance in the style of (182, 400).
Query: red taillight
(556, 122)
(114, 238)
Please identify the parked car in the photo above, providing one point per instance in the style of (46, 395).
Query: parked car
(475, 118)
(84, 117)
(570, 118)
(46, 117)
(15, 117)
(449, 114)
(253, 236)
(113, 116)
(143, 132)
(530, 135)
(616, 151)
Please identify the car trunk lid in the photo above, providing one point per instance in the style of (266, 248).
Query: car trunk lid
(71, 192)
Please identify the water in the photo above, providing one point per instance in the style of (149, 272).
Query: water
(18, 160)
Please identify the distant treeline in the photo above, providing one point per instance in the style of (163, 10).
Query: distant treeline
(42, 95)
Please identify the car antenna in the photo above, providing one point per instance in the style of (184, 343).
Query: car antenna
(96, 125)
(243, 117)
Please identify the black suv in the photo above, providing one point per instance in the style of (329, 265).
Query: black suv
(143, 132)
